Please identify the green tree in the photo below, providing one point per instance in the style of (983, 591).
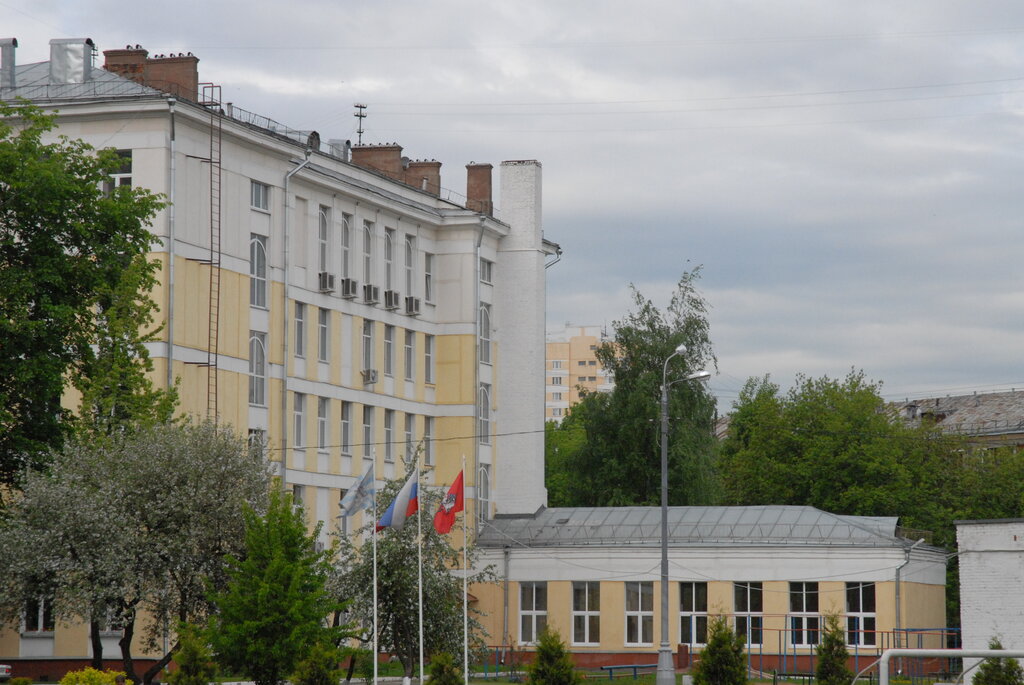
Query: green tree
(999, 670)
(193, 658)
(835, 445)
(721, 661)
(552, 664)
(397, 585)
(618, 457)
(319, 666)
(63, 241)
(832, 655)
(135, 524)
(443, 670)
(272, 612)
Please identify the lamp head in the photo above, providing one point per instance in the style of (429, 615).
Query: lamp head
(681, 348)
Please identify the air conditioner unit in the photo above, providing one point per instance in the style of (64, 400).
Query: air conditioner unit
(349, 287)
(412, 306)
(369, 376)
(391, 299)
(371, 293)
(325, 282)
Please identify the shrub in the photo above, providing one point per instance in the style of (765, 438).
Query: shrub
(20, 681)
(194, 659)
(443, 670)
(552, 665)
(721, 661)
(319, 667)
(832, 655)
(90, 676)
(997, 670)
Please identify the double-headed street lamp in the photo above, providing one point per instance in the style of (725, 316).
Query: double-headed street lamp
(666, 674)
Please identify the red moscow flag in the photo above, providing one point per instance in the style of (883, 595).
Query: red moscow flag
(453, 503)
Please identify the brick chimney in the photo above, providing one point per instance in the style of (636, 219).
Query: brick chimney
(174, 74)
(386, 158)
(425, 175)
(478, 188)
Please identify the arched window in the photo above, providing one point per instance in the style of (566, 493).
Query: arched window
(367, 252)
(257, 270)
(484, 412)
(257, 368)
(324, 238)
(485, 333)
(483, 492)
(346, 243)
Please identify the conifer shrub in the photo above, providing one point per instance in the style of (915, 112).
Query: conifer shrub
(319, 666)
(721, 661)
(999, 670)
(553, 663)
(832, 655)
(443, 670)
(194, 658)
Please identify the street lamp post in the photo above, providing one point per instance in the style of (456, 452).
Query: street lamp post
(666, 673)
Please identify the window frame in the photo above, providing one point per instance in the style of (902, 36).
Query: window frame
(389, 258)
(299, 423)
(861, 624)
(259, 196)
(641, 616)
(410, 264)
(484, 333)
(300, 330)
(346, 428)
(389, 436)
(693, 612)
(258, 270)
(410, 354)
(368, 325)
(389, 350)
(346, 244)
(324, 334)
(428, 440)
(368, 416)
(804, 621)
(44, 622)
(533, 610)
(323, 426)
(483, 408)
(486, 271)
(257, 369)
(483, 493)
(749, 621)
(429, 344)
(324, 239)
(587, 613)
(367, 252)
(428, 277)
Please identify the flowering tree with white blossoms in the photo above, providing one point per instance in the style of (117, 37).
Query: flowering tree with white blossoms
(137, 525)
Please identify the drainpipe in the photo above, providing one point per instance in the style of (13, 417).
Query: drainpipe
(173, 178)
(476, 364)
(504, 612)
(899, 624)
(284, 324)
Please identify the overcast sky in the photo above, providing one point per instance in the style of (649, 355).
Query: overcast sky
(847, 173)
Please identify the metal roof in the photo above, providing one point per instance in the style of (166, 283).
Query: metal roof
(977, 414)
(697, 526)
(32, 81)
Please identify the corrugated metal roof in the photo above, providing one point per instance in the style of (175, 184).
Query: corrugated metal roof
(762, 525)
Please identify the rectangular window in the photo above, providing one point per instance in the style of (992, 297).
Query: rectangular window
(410, 446)
(300, 329)
(860, 614)
(257, 368)
(257, 441)
(586, 613)
(122, 176)
(428, 277)
(410, 355)
(556, 411)
(428, 358)
(486, 270)
(367, 252)
(640, 613)
(300, 420)
(428, 440)
(324, 239)
(39, 615)
(257, 270)
(749, 611)
(389, 258)
(298, 495)
(556, 396)
(324, 337)
(346, 428)
(367, 433)
(259, 197)
(533, 611)
(410, 265)
(582, 363)
(389, 350)
(346, 244)
(556, 364)
(389, 435)
(485, 333)
(322, 426)
(804, 621)
(693, 613)
(556, 380)
(367, 344)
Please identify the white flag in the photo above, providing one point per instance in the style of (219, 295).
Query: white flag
(361, 494)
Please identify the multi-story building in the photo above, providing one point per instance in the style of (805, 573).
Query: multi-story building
(333, 302)
(986, 420)
(573, 368)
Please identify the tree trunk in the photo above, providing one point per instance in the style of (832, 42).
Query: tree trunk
(155, 669)
(97, 643)
(127, 663)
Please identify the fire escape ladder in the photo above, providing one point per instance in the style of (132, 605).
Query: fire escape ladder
(212, 99)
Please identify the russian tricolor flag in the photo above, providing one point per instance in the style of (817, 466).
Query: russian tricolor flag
(405, 505)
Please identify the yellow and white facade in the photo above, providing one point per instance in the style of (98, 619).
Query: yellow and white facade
(327, 301)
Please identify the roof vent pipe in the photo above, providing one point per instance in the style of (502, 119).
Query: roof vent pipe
(7, 47)
(71, 60)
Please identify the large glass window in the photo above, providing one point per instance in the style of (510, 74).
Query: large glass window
(257, 368)
(389, 350)
(322, 426)
(389, 435)
(533, 611)
(693, 613)
(389, 258)
(346, 244)
(257, 270)
(300, 420)
(483, 492)
(428, 358)
(428, 277)
(346, 428)
(300, 329)
(367, 433)
(860, 614)
(367, 252)
(484, 412)
(410, 265)
(485, 333)
(410, 355)
(324, 334)
(749, 611)
(367, 344)
(640, 613)
(804, 620)
(324, 239)
(39, 615)
(586, 613)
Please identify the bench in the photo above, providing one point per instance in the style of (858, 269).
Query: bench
(633, 667)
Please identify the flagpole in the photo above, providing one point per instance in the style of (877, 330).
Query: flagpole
(373, 528)
(465, 586)
(419, 549)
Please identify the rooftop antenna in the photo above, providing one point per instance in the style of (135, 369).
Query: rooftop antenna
(360, 115)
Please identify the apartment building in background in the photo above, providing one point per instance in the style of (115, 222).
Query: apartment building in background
(573, 368)
(335, 303)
